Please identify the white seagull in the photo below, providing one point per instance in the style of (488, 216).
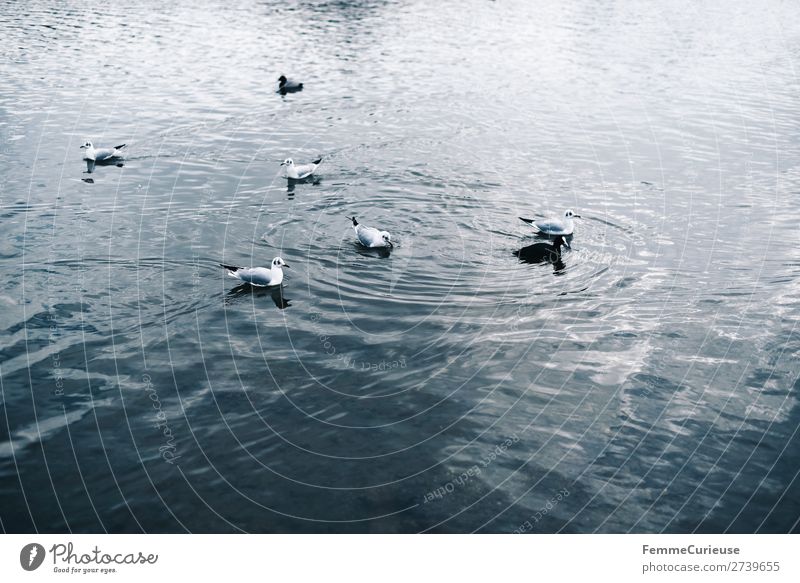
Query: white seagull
(302, 171)
(555, 226)
(258, 276)
(98, 155)
(370, 236)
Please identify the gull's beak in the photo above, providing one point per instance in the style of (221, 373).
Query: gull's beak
(82, 147)
(576, 216)
(285, 265)
(283, 163)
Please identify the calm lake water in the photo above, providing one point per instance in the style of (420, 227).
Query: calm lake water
(648, 383)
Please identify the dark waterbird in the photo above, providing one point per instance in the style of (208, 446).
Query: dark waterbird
(288, 85)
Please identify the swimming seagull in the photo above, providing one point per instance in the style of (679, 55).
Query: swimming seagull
(101, 154)
(288, 85)
(302, 171)
(555, 226)
(543, 252)
(258, 276)
(370, 236)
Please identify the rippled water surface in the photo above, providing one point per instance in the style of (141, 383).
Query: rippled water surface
(648, 382)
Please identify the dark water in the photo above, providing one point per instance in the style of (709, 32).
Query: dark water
(648, 384)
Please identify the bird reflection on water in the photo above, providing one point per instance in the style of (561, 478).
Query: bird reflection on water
(91, 164)
(245, 291)
(380, 252)
(292, 182)
(545, 253)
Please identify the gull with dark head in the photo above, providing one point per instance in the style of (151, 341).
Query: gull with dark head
(101, 154)
(556, 225)
(300, 171)
(370, 236)
(258, 276)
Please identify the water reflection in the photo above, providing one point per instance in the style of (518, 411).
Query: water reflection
(291, 183)
(379, 252)
(551, 252)
(91, 164)
(246, 291)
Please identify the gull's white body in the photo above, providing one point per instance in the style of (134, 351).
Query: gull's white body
(557, 225)
(100, 154)
(259, 276)
(298, 172)
(370, 236)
